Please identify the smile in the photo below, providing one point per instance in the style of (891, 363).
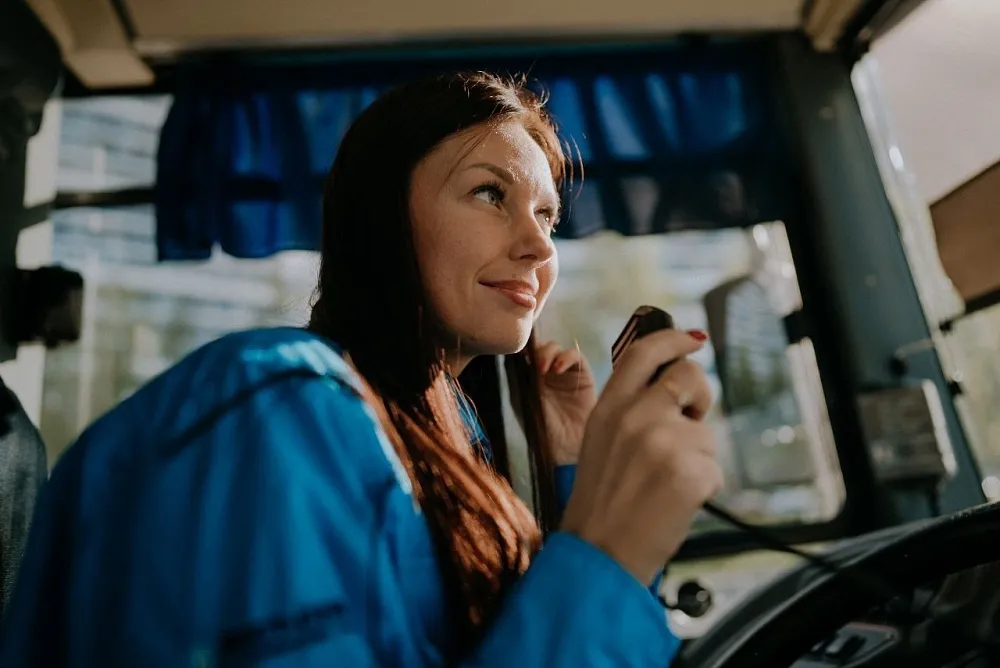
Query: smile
(518, 292)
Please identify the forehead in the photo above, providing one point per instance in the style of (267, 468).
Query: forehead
(507, 145)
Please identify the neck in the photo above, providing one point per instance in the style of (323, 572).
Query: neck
(456, 363)
(456, 356)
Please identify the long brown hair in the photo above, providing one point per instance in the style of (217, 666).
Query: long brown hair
(370, 300)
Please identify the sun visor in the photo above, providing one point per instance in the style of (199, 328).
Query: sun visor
(967, 225)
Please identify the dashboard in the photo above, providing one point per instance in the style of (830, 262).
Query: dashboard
(857, 644)
(729, 580)
(946, 624)
(950, 622)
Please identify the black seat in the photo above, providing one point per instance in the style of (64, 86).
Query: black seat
(23, 470)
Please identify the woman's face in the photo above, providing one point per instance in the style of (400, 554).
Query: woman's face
(483, 206)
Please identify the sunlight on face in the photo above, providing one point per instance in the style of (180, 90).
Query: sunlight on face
(484, 206)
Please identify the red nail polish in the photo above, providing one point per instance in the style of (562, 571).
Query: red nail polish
(697, 335)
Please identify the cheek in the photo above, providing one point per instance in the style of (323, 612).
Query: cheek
(449, 254)
(437, 259)
(547, 276)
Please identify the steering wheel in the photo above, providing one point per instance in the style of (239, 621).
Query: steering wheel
(779, 624)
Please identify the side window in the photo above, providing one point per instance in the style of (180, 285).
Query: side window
(974, 344)
(944, 196)
(141, 315)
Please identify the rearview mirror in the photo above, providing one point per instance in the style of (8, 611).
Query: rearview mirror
(758, 395)
(749, 342)
(746, 324)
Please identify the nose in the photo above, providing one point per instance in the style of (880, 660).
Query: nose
(532, 241)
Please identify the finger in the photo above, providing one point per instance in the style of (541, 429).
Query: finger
(706, 477)
(566, 360)
(685, 384)
(545, 354)
(697, 478)
(675, 438)
(692, 477)
(701, 437)
(640, 361)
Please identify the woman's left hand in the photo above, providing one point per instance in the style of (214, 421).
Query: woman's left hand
(568, 396)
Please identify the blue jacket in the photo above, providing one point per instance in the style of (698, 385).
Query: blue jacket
(244, 509)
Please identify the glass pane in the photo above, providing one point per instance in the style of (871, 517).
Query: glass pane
(140, 316)
(975, 345)
(110, 143)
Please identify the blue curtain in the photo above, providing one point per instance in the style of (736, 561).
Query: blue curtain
(671, 137)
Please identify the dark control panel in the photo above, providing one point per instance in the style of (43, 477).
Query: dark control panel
(853, 645)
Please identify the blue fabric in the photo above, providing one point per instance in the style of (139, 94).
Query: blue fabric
(244, 509)
(670, 138)
(565, 477)
(477, 435)
(564, 474)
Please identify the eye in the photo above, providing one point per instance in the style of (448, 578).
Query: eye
(491, 193)
(549, 216)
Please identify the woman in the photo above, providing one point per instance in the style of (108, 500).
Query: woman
(311, 498)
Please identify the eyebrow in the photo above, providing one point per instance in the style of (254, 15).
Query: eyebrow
(497, 170)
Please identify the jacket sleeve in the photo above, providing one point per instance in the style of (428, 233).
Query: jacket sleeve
(265, 540)
(574, 606)
(577, 607)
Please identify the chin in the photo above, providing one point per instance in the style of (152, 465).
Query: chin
(505, 340)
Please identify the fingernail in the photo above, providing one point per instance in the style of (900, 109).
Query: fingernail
(697, 335)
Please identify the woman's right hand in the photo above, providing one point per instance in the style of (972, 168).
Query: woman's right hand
(648, 460)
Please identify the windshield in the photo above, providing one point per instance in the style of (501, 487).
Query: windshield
(776, 461)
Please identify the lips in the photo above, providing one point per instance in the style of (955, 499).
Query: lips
(521, 293)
